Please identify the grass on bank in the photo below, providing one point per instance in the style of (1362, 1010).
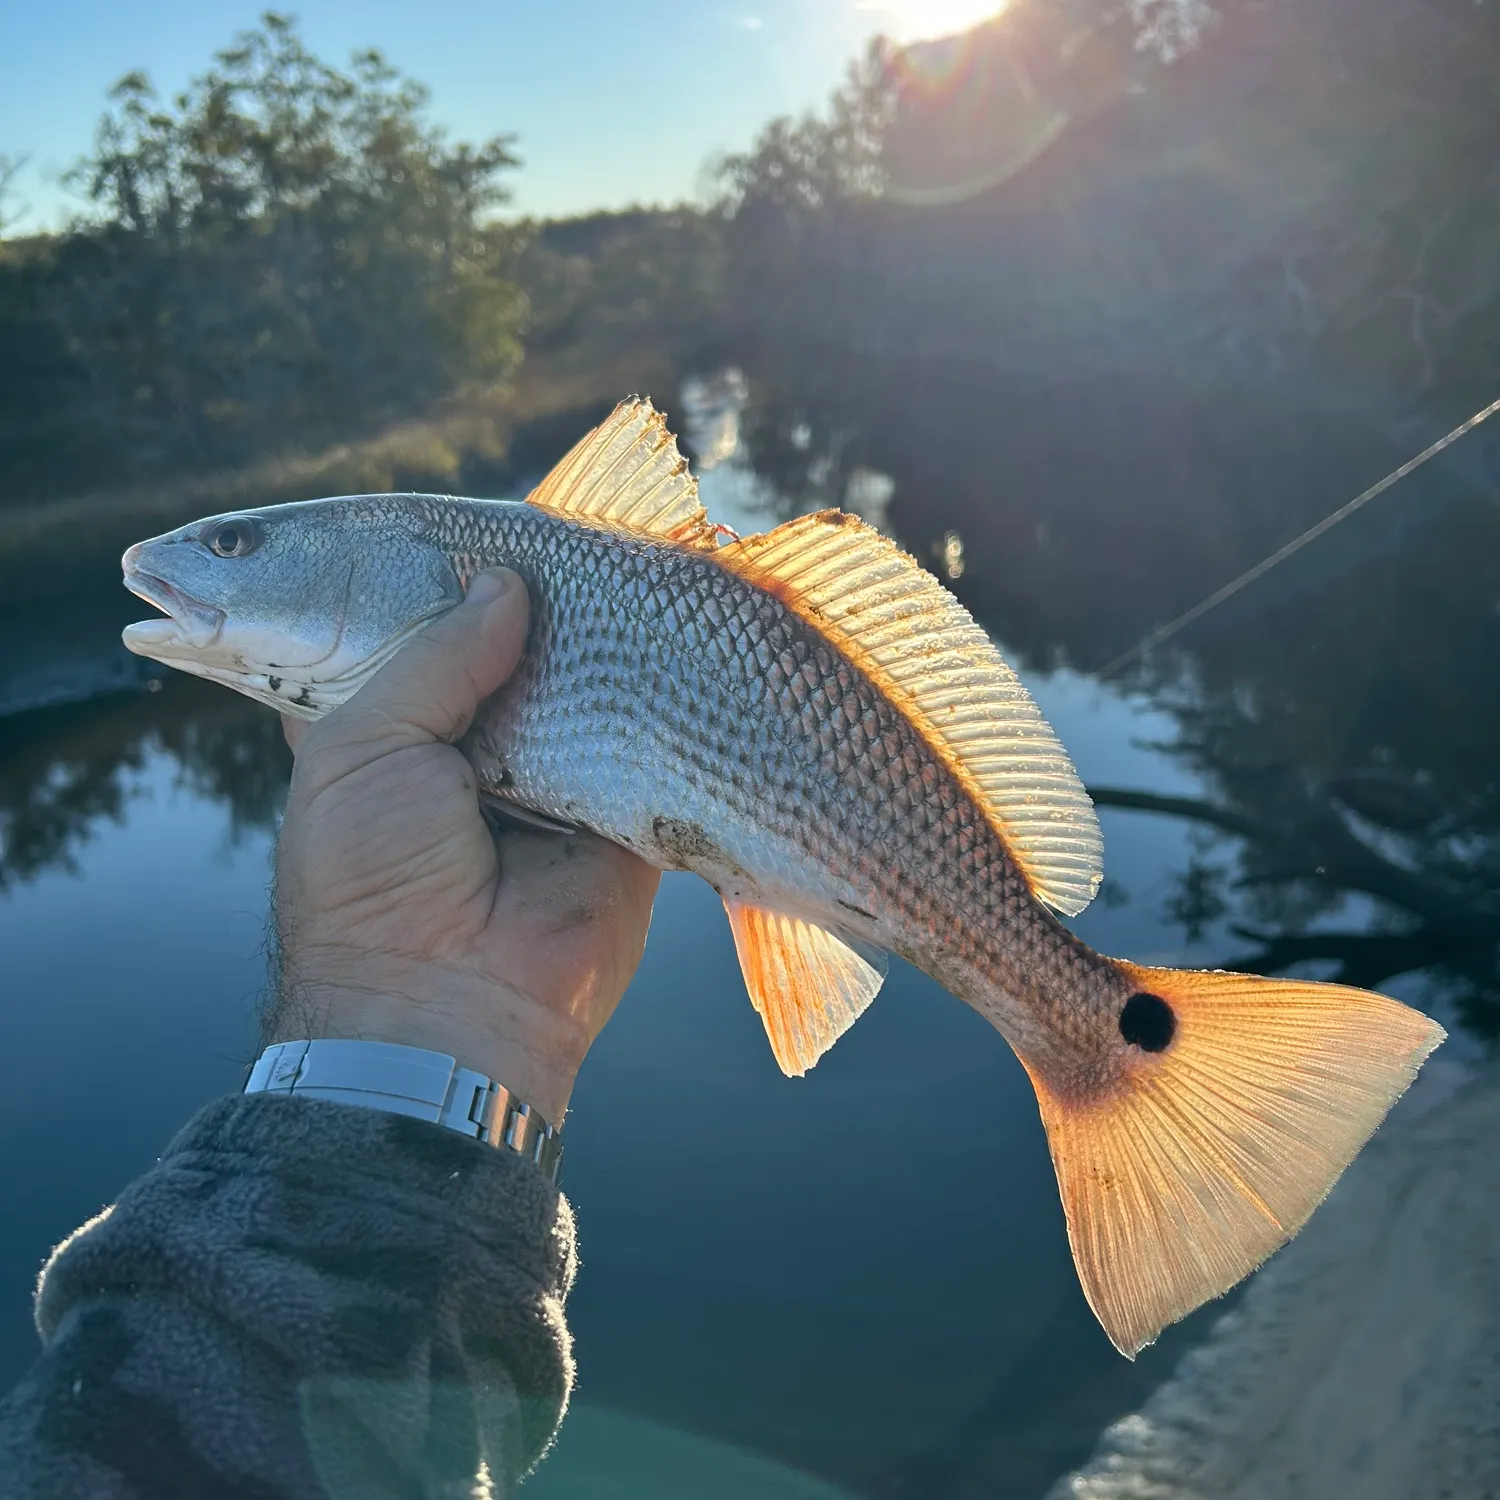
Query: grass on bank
(485, 444)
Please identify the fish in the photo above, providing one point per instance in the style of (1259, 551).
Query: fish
(810, 722)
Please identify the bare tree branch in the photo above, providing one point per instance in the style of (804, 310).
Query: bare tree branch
(10, 168)
(1365, 959)
(1322, 848)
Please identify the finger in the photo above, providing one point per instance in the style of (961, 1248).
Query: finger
(292, 730)
(430, 689)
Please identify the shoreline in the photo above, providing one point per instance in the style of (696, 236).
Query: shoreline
(1365, 1358)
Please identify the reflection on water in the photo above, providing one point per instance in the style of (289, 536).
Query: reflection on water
(611, 1456)
(67, 770)
(1310, 781)
(1363, 1360)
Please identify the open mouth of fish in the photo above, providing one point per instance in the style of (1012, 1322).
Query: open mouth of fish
(189, 621)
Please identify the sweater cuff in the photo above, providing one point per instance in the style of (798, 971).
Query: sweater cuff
(385, 1263)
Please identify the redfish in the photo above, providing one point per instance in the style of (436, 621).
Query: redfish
(811, 723)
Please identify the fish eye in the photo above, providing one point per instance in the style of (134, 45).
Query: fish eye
(232, 538)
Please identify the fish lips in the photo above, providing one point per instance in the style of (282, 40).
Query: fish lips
(189, 622)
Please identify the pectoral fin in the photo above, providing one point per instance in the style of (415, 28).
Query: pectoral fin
(808, 985)
(496, 806)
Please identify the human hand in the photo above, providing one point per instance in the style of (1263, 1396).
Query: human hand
(402, 918)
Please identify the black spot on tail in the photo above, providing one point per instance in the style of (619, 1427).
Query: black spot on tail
(1148, 1022)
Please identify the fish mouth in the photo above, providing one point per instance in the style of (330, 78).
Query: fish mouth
(189, 622)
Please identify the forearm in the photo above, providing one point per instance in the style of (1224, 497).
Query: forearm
(301, 1300)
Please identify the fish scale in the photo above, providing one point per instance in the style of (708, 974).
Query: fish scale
(815, 726)
(760, 718)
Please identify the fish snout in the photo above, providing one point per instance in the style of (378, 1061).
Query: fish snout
(190, 621)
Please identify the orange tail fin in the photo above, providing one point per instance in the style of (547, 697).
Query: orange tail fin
(1239, 1105)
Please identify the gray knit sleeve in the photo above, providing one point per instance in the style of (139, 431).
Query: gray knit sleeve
(301, 1299)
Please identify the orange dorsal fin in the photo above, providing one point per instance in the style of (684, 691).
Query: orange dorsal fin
(901, 627)
(809, 986)
(628, 474)
(1239, 1102)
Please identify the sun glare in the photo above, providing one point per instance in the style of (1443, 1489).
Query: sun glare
(916, 20)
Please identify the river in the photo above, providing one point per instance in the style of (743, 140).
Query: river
(854, 1284)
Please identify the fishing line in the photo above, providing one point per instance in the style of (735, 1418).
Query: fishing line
(1167, 631)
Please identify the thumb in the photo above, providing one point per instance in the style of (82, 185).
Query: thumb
(431, 687)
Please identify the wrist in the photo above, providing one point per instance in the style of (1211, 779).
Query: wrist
(411, 1081)
(489, 1027)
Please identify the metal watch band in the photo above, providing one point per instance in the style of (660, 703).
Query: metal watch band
(409, 1081)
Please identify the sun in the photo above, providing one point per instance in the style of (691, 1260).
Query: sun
(916, 20)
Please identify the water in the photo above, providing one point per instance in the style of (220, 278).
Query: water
(856, 1284)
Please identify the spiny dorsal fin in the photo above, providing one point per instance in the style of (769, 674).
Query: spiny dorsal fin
(808, 985)
(628, 473)
(911, 636)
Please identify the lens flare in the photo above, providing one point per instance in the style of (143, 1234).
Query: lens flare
(918, 20)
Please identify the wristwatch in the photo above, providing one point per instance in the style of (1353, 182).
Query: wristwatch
(409, 1081)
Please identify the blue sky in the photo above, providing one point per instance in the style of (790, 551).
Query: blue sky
(613, 103)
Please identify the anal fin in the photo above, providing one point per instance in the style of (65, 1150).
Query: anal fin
(809, 986)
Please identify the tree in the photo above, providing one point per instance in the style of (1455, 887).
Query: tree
(285, 251)
(10, 168)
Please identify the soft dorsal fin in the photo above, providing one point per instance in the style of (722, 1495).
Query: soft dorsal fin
(912, 637)
(628, 473)
(809, 986)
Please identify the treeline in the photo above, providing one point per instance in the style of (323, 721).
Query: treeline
(289, 255)
(283, 254)
(1090, 240)
(1146, 319)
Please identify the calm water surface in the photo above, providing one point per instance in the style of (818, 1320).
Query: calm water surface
(854, 1284)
